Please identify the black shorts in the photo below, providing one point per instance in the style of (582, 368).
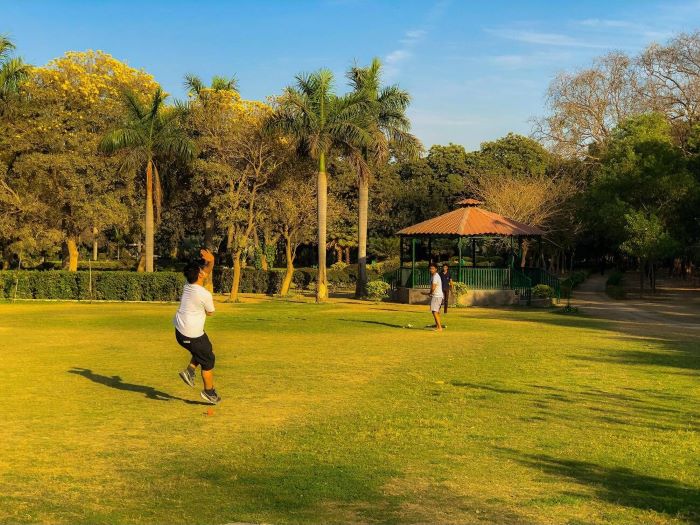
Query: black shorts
(199, 347)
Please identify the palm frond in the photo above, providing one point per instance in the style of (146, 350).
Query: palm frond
(193, 84)
(13, 73)
(122, 138)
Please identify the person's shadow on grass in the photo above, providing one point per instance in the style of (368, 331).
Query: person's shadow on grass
(119, 384)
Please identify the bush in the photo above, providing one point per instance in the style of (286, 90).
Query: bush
(340, 265)
(615, 278)
(459, 288)
(615, 291)
(377, 290)
(543, 291)
(110, 285)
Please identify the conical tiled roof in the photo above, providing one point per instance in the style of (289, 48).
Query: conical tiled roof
(470, 219)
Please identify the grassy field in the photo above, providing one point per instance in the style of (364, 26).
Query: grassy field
(336, 413)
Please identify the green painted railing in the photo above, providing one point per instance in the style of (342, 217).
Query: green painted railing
(478, 279)
(540, 276)
(485, 278)
(522, 285)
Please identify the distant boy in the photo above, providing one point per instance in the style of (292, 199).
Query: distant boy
(196, 304)
(436, 295)
(446, 279)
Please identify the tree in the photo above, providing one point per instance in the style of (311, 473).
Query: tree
(318, 121)
(388, 127)
(585, 106)
(150, 131)
(13, 72)
(290, 211)
(50, 147)
(648, 241)
(520, 180)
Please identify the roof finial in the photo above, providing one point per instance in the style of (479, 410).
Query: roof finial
(469, 202)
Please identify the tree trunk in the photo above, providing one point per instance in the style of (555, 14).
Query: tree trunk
(94, 243)
(72, 245)
(289, 274)
(362, 209)
(149, 216)
(338, 254)
(233, 296)
(260, 249)
(322, 208)
(523, 259)
(347, 255)
(142, 263)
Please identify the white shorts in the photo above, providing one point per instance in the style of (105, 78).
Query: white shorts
(435, 304)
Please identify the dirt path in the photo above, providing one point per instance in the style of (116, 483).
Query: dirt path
(675, 307)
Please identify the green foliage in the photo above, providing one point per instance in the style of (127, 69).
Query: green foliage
(459, 288)
(615, 278)
(377, 290)
(646, 237)
(114, 286)
(543, 291)
(339, 265)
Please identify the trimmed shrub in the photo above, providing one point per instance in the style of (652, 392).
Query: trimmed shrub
(340, 265)
(377, 290)
(543, 291)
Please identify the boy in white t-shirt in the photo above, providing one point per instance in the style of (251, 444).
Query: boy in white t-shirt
(195, 305)
(436, 295)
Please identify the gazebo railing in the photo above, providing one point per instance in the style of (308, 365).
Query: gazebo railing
(541, 276)
(475, 279)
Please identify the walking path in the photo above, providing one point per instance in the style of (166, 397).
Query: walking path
(675, 306)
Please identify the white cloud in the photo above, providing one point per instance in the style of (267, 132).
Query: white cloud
(540, 38)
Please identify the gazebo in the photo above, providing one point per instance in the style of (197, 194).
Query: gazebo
(466, 226)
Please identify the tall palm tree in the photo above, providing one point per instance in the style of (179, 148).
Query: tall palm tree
(12, 70)
(319, 121)
(196, 87)
(389, 127)
(151, 132)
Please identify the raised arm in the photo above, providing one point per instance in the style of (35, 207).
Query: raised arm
(208, 261)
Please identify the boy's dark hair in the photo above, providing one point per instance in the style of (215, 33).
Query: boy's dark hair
(445, 264)
(433, 265)
(192, 270)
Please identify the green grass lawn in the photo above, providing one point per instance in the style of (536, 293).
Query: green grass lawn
(335, 413)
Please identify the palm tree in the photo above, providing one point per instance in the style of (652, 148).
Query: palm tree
(319, 121)
(12, 70)
(389, 127)
(151, 132)
(196, 87)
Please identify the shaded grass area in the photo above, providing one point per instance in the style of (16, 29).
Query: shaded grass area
(335, 413)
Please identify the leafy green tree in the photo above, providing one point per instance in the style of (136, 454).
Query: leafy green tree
(648, 241)
(151, 132)
(319, 121)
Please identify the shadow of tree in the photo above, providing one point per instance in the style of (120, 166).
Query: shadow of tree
(117, 383)
(622, 486)
(365, 321)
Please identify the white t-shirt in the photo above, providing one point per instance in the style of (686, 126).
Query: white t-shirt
(195, 303)
(438, 286)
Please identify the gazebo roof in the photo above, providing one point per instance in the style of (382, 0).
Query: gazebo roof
(470, 220)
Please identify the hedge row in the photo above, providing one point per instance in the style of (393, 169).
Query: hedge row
(111, 285)
(270, 282)
(157, 286)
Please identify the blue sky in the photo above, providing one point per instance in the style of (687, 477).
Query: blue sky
(476, 69)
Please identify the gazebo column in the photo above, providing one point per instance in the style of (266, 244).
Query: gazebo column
(473, 252)
(430, 250)
(400, 260)
(413, 262)
(459, 263)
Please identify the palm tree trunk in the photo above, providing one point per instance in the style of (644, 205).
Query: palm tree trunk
(287, 281)
(149, 216)
(322, 212)
(235, 283)
(363, 204)
(94, 243)
(72, 245)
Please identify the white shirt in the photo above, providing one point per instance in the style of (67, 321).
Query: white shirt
(195, 303)
(437, 282)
